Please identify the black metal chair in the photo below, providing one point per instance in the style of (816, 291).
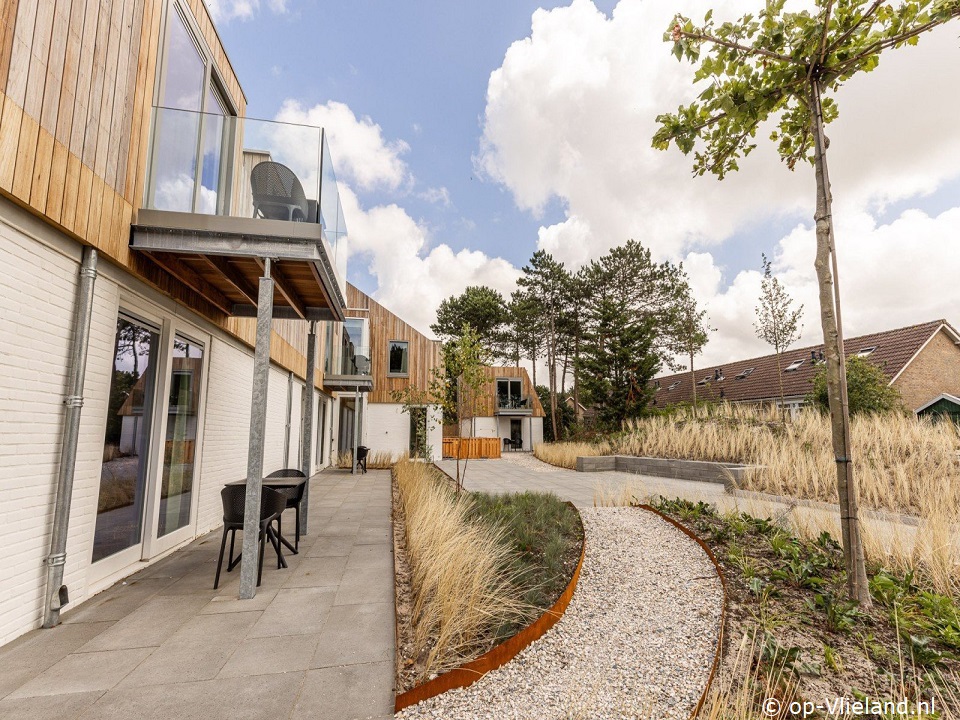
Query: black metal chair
(277, 193)
(362, 452)
(294, 498)
(272, 504)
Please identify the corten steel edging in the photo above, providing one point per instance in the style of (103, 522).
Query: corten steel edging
(470, 672)
(723, 607)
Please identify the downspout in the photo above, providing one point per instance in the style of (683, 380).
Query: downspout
(56, 593)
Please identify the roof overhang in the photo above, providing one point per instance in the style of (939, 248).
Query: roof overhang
(942, 396)
(221, 258)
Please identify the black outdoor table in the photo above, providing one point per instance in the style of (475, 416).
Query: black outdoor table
(278, 483)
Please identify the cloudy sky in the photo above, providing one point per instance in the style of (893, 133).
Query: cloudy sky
(468, 135)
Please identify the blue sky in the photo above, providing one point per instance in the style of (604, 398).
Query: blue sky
(493, 129)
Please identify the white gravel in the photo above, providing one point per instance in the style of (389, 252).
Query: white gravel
(528, 461)
(637, 640)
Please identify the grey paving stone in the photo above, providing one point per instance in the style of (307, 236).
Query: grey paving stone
(195, 652)
(357, 634)
(317, 572)
(84, 672)
(271, 696)
(346, 693)
(366, 584)
(149, 625)
(49, 707)
(295, 611)
(268, 655)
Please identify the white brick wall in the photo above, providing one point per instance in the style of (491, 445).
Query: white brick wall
(37, 301)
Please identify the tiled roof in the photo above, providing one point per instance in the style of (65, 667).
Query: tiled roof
(893, 351)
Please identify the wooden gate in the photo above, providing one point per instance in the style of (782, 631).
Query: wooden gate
(471, 448)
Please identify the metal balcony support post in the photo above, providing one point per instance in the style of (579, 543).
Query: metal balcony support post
(258, 425)
(56, 592)
(356, 427)
(306, 425)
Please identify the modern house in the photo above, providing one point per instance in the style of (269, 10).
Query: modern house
(391, 355)
(508, 408)
(145, 223)
(921, 361)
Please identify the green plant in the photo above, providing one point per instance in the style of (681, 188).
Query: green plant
(832, 659)
(840, 615)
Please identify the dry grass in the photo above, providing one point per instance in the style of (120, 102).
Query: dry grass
(375, 461)
(565, 454)
(463, 589)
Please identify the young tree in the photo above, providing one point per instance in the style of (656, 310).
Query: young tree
(778, 324)
(692, 335)
(779, 64)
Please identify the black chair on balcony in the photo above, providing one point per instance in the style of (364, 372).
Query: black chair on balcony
(294, 498)
(278, 194)
(272, 504)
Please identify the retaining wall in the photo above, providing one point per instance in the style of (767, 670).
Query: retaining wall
(726, 474)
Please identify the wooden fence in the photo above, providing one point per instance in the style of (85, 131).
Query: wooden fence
(471, 448)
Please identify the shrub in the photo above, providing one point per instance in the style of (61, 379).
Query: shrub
(868, 391)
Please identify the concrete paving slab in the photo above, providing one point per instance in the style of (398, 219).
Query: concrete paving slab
(149, 625)
(354, 634)
(346, 693)
(83, 672)
(49, 707)
(294, 611)
(268, 655)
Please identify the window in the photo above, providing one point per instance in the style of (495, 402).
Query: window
(509, 393)
(705, 380)
(863, 352)
(656, 385)
(744, 373)
(418, 432)
(188, 172)
(673, 386)
(398, 356)
(793, 366)
(354, 355)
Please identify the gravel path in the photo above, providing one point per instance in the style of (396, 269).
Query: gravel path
(636, 641)
(528, 461)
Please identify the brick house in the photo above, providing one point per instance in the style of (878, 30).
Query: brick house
(921, 361)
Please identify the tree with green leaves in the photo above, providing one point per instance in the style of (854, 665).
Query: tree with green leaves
(546, 284)
(777, 65)
(480, 307)
(692, 334)
(869, 390)
(524, 335)
(618, 362)
(777, 324)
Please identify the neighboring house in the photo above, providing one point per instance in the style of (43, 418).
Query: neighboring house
(508, 408)
(380, 354)
(133, 200)
(921, 361)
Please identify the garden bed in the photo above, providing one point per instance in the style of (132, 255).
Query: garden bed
(500, 560)
(791, 634)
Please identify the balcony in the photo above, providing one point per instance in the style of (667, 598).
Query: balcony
(352, 371)
(513, 405)
(223, 193)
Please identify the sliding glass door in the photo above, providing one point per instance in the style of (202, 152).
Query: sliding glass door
(126, 445)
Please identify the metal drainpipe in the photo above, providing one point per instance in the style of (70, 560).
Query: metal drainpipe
(56, 595)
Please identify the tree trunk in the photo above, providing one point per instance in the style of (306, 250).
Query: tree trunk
(826, 266)
(693, 384)
(552, 371)
(576, 380)
(783, 406)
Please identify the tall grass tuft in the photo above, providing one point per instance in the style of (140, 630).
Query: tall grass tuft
(463, 587)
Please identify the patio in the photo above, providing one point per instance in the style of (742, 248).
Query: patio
(317, 641)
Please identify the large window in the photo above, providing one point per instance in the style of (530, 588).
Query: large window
(398, 356)
(188, 172)
(354, 353)
(509, 393)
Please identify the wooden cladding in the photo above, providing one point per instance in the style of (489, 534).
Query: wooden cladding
(476, 448)
(384, 326)
(487, 404)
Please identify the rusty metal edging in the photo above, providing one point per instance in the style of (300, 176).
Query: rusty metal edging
(470, 672)
(723, 607)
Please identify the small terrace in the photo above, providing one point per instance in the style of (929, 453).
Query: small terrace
(224, 194)
(317, 641)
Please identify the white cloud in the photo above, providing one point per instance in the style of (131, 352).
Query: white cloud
(226, 10)
(363, 158)
(413, 278)
(571, 112)
(439, 196)
(891, 275)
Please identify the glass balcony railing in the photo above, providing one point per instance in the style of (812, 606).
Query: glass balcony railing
(512, 402)
(354, 361)
(213, 164)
